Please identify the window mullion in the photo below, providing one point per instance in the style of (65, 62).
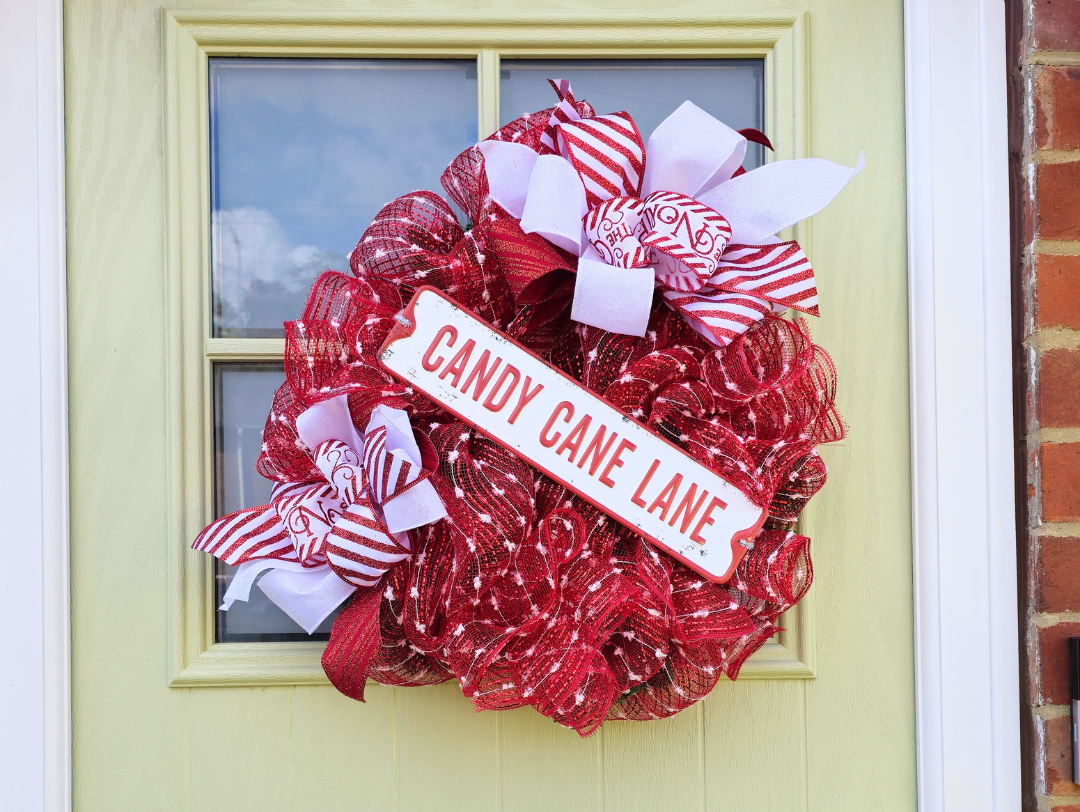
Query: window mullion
(487, 88)
(244, 349)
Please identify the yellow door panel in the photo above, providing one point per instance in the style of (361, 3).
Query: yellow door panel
(165, 718)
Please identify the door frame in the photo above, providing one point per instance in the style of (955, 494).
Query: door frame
(35, 709)
(963, 508)
(967, 662)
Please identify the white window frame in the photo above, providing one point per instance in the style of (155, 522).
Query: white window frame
(192, 38)
(966, 649)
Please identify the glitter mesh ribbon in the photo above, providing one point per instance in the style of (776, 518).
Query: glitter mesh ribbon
(524, 593)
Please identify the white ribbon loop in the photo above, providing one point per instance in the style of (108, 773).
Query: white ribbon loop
(508, 167)
(777, 195)
(328, 420)
(690, 152)
(555, 203)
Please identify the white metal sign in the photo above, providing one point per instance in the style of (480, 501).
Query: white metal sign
(571, 434)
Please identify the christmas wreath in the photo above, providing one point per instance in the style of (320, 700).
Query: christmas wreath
(651, 277)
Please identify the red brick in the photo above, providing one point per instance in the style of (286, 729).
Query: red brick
(1059, 757)
(1066, 808)
(1054, 663)
(1058, 575)
(1058, 201)
(1057, 108)
(1060, 469)
(1055, 25)
(1058, 764)
(1057, 291)
(1059, 389)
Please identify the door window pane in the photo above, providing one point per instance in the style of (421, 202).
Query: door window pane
(304, 152)
(732, 90)
(242, 396)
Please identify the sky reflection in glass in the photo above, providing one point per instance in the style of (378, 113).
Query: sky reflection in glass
(242, 396)
(732, 90)
(304, 153)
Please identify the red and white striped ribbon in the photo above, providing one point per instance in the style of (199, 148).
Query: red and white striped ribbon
(748, 280)
(360, 549)
(779, 273)
(718, 316)
(308, 512)
(334, 521)
(247, 535)
(608, 154)
(341, 467)
(563, 113)
(389, 473)
(687, 239)
(613, 228)
(358, 545)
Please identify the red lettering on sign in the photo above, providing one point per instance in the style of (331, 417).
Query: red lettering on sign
(565, 406)
(666, 497)
(481, 374)
(575, 438)
(688, 508)
(598, 449)
(616, 461)
(636, 498)
(706, 518)
(456, 367)
(524, 398)
(496, 406)
(447, 330)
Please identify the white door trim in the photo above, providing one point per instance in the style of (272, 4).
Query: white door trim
(963, 506)
(35, 707)
(967, 670)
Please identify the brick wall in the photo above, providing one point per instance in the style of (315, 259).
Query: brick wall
(1044, 45)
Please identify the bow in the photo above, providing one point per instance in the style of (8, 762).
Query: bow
(680, 215)
(322, 540)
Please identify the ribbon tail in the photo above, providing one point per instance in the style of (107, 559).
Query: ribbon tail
(247, 535)
(772, 197)
(719, 317)
(779, 273)
(308, 596)
(618, 300)
(354, 640)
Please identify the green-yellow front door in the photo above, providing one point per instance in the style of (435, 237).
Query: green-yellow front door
(173, 713)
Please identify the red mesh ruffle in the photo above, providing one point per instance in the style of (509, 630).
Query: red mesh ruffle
(526, 594)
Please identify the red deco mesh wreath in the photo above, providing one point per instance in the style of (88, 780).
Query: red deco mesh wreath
(526, 594)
